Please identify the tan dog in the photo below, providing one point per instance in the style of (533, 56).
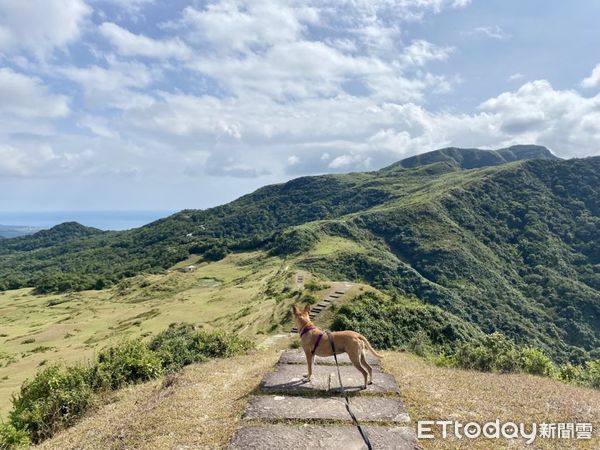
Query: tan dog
(315, 342)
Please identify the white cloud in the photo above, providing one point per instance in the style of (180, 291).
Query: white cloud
(131, 44)
(128, 5)
(593, 80)
(350, 160)
(114, 86)
(493, 32)
(293, 160)
(243, 26)
(27, 97)
(40, 26)
(270, 87)
(272, 54)
(515, 76)
(420, 52)
(32, 161)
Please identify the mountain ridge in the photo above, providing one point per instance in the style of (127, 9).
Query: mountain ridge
(506, 247)
(472, 158)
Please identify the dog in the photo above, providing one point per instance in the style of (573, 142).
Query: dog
(349, 342)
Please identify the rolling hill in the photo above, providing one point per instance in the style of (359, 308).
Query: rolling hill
(503, 240)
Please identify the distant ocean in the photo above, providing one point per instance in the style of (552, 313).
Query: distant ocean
(105, 220)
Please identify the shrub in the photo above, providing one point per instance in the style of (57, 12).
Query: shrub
(11, 438)
(536, 362)
(215, 253)
(494, 352)
(308, 298)
(220, 344)
(128, 362)
(313, 286)
(569, 373)
(591, 374)
(181, 344)
(420, 344)
(54, 399)
(399, 323)
(444, 360)
(174, 347)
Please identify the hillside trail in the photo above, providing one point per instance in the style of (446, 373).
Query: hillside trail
(287, 413)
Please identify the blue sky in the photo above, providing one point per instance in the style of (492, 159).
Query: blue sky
(148, 105)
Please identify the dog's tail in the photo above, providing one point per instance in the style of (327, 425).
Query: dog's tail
(371, 349)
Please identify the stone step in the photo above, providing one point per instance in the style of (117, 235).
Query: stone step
(287, 379)
(308, 437)
(297, 356)
(334, 296)
(340, 292)
(370, 408)
(322, 305)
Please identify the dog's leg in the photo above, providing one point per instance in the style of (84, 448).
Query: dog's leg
(309, 362)
(355, 358)
(364, 363)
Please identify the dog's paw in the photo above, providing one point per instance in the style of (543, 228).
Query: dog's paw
(371, 382)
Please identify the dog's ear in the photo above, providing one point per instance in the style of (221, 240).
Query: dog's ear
(295, 309)
(306, 309)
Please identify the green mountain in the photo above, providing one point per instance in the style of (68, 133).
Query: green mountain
(504, 240)
(472, 158)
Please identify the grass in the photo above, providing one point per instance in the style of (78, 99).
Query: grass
(74, 327)
(329, 245)
(197, 408)
(201, 407)
(435, 393)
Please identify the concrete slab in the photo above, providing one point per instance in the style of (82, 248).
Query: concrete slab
(369, 408)
(308, 437)
(287, 379)
(296, 356)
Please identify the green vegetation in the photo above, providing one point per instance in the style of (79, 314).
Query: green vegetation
(182, 344)
(402, 324)
(248, 293)
(489, 241)
(58, 396)
(396, 322)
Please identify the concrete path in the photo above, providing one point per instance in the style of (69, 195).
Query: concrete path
(337, 291)
(287, 413)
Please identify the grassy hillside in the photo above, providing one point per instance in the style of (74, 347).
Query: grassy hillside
(237, 293)
(499, 241)
(201, 407)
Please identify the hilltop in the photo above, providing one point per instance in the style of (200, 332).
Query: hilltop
(499, 240)
(473, 158)
(177, 413)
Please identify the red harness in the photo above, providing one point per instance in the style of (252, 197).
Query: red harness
(305, 330)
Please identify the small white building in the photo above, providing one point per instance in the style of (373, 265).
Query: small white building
(189, 268)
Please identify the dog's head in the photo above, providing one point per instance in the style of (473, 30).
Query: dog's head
(301, 315)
